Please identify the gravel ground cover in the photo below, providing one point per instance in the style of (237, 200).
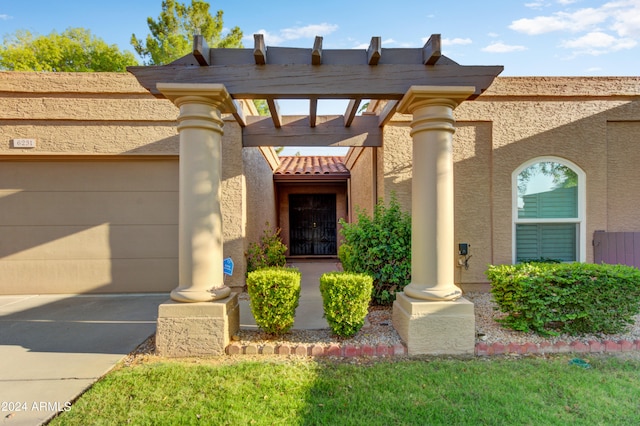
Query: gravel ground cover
(378, 329)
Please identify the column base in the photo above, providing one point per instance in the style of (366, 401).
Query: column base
(187, 295)
(444, 294)
(195, 329)
(435, 327)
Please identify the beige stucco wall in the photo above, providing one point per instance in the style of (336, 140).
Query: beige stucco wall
(363, 182)
(592, 122)
(623, 176)
(84, 113)
(109, 116)
(259, 164)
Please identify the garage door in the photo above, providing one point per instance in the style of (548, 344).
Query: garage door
(88, 226)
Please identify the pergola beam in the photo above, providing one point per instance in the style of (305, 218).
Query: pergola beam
(387, 113)
(432, 50)
(259, 49)
(313, 112)
(201, 51)
(316, 53)
(238, 114)
(351, 111)
(329, 131)
(374, 52)
(297, 81)
(274, 109)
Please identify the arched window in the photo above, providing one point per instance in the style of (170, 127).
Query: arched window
(548, 211)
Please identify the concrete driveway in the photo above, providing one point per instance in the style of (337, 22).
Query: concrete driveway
(53, 347)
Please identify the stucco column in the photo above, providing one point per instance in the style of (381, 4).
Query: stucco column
(432, 191)
(200, 220)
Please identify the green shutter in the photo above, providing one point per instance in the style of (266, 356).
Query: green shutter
(557, 203)
(553, 241)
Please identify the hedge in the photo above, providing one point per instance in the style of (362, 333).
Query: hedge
(573, 298)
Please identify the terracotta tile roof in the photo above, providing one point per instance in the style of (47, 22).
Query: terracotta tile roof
(314, 166)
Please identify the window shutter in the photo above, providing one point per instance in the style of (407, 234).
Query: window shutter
(557, 203)
(552, 241)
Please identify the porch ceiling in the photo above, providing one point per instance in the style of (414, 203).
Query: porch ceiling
(273, 73)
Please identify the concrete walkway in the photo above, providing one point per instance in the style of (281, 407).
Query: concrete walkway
(53, 347)
(310, 314)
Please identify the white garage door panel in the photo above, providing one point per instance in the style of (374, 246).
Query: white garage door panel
(93, 242)
(88, 226)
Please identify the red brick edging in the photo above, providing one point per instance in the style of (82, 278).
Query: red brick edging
(592, 346)
(317, 350)
(481, 349)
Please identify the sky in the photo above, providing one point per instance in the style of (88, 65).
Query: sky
(529, 37)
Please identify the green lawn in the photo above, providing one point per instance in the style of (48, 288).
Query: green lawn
(496, 391)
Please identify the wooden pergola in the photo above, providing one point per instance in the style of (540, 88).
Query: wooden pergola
(430, 314)
(376, 74)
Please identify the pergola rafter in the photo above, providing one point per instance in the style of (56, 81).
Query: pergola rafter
(273, 73)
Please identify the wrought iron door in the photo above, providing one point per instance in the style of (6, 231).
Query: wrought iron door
(312, 224)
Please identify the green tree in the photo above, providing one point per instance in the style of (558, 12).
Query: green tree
(74, 50)
(172, 34)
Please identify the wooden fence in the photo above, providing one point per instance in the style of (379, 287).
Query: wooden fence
(617, 248)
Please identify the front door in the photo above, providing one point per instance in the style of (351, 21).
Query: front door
(312, 224)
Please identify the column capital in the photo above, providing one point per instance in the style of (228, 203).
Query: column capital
(419, 96)
(214, 94)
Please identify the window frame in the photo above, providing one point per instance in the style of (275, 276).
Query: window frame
(580, 220)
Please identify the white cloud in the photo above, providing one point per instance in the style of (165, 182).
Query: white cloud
(295, 33)
(598, 43)
(493, 35)
(581, 20)
(4, 17)
(308, 31)
(626, 22)
(385, 43)
(455, 41)
(500, 47)
(613, 26)
(536, 4)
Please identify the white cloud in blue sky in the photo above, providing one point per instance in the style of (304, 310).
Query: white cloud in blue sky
(611, 27)
(294, 33)
(491, 32)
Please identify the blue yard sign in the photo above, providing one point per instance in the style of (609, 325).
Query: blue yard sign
(228, 266)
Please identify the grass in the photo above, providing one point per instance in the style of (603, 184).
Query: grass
(498, 391)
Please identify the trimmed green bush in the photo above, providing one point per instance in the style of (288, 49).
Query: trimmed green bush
(345, 299)
(274, 294)
(572, 298)
(269, 252)
(379, 247)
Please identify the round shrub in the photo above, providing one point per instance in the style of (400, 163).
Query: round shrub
(274, 294)
(345, 299)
